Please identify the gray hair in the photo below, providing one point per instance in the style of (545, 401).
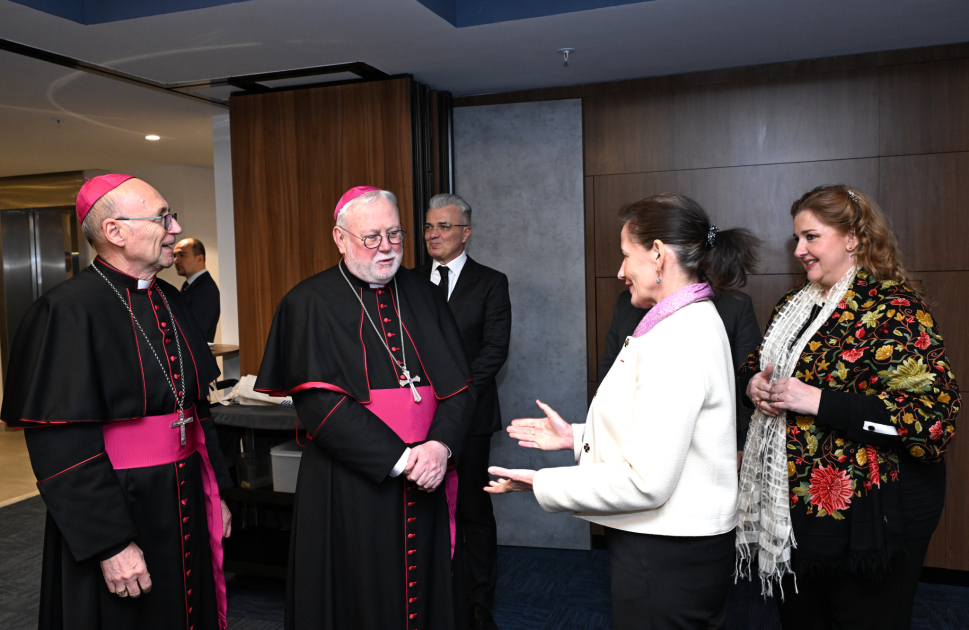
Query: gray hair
(363, 200)
(104, 208)
(447, 199)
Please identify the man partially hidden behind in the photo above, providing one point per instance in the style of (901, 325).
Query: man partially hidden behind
(372, 357)
(199, 291)
(478, 297)
(108, 375)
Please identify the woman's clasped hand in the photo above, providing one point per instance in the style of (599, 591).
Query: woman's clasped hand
(784, 394)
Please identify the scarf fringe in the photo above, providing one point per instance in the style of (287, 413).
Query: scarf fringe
(743, 569)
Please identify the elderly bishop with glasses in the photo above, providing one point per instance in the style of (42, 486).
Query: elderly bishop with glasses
(373, 359)
(108, 375)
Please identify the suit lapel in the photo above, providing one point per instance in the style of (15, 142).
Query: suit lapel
(466, 281)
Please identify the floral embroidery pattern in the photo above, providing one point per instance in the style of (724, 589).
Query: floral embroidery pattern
(830, 489)
(880, 341)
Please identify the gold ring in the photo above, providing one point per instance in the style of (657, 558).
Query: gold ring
(123, 592)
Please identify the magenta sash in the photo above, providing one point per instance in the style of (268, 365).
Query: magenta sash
(410, 421)
(151, 441)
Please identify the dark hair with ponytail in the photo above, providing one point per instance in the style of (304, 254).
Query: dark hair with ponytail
(721, 258)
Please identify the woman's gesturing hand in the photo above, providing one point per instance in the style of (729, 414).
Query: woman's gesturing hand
(758, 391)
(510, 480)
(550, 433)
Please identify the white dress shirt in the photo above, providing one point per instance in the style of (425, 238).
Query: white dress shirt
(454, 270)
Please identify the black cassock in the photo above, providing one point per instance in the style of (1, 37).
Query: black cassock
(367, 550)
(78, 360)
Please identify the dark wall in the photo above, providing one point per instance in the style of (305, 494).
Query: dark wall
(747, 142)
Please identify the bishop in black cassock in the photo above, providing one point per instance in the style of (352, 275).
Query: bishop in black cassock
(127, 545)
(372, 357)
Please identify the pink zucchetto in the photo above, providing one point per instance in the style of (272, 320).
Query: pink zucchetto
(350, 195)
(94, 189)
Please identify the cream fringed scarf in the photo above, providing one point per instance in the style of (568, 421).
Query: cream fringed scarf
(764, 505)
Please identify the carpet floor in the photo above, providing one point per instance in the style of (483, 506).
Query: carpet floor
(538, 589)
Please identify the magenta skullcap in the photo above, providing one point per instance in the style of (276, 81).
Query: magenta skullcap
(350, 195)
(94, 189)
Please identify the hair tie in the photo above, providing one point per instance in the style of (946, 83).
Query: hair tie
(712, 235)
(852, 195)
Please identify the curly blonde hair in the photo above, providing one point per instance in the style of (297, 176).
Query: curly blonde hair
(846, 209)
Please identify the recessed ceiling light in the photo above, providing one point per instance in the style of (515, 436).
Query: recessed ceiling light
(152, 137)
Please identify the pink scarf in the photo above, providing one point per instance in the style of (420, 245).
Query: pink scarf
(672, 303)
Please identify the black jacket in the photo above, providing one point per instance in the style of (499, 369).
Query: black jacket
(202, 297)
(736, 309)
(482, 309)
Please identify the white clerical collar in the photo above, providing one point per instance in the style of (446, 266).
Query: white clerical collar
(195, 275)
(455, 266)
(143, 284)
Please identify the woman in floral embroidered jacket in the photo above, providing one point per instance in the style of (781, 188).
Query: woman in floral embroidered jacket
(844, 477)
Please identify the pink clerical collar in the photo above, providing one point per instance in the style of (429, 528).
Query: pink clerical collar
(672, 303)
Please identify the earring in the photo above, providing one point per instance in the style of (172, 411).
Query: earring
(658, 280)
(851, 248)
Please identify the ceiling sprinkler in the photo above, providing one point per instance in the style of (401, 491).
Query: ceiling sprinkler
(565, 52)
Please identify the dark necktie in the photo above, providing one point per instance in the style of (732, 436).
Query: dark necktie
(442, 286)
(185, 286)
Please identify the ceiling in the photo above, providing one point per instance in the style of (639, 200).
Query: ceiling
(103, 122)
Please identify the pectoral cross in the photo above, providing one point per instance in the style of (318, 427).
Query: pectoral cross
(407, 380)
(182, 421)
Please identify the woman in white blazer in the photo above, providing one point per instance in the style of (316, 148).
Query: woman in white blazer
(657, 463)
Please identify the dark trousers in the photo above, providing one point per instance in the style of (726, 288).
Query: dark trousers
(833, 602)
(666, 582)
(478, 520)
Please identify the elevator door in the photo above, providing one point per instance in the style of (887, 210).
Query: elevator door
(37, 256)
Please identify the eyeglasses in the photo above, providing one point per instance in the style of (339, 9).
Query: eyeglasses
(373, 240)
(166, 219)
(443, 226)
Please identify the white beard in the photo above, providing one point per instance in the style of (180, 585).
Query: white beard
(367, 270)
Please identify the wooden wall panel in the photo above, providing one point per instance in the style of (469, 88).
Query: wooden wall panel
(923, 108)
(936, 554)
(956, 515)
(759, 122)
(628, 133)
(949, 302)
(756, 197)
(767, 290)
(926, 197)
(771, 121)
(293, 155)
(947, 293)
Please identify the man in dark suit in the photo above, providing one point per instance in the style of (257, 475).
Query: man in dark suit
(199, 291)
(478, 297)
(736, 309)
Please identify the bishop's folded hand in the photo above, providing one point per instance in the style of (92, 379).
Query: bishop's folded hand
(510, 480)
(550, 433)
(426, 465)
